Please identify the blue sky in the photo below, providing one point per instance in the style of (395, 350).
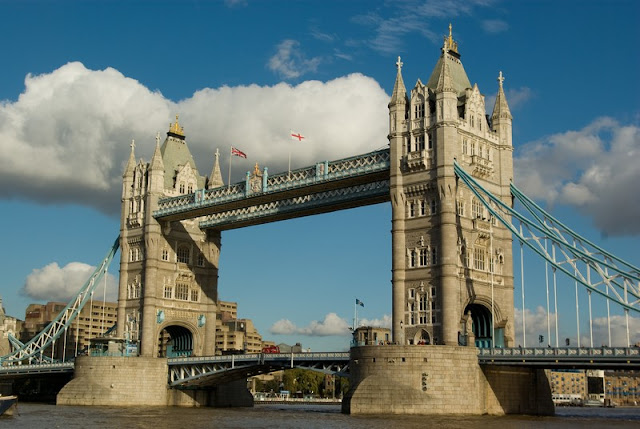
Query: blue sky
(81, 79)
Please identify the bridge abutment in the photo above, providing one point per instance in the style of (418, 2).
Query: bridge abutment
(116, 381)
(142, 381)
(440, 380)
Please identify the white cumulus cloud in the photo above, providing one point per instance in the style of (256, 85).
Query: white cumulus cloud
(384, 322)
(593, 169)
(332, 324)
(55, 283)
(66, 138)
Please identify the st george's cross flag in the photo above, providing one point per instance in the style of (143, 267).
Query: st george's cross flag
(297, 136)
(360, 303)
(238, 152)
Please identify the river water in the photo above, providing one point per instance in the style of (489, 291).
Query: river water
(44, 416)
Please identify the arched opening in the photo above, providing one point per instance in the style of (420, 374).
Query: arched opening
(481, 325)
(422, 338)
(175, 341)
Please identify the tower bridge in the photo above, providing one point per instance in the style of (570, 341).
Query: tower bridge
(448, 174)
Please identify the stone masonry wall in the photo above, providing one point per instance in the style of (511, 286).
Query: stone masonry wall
(515, 390)
(116, 381)
(414, 380)
(440, 380)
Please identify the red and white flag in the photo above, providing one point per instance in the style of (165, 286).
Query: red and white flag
(297, 136)
(238, 152)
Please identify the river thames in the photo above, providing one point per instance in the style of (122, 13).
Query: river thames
(44, 416)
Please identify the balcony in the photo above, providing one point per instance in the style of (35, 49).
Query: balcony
(481, 166)
(418, 160)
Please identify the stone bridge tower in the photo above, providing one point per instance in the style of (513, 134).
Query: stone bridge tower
(169, 270)
(452, 270)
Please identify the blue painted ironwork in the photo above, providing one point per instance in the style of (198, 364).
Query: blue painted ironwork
(322, 173)
(192, 372)
(311, 202)
(618, 281)
(36, 369)
(564, 357)
(33, 349)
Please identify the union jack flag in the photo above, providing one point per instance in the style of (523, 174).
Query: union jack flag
(238, 152)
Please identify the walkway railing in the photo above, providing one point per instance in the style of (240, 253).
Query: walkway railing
(554, 357)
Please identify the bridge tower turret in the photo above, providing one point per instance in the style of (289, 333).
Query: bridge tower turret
(452, 268)
(398, 115)
(169, 270)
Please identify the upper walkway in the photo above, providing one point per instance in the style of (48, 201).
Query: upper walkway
(563, 357)
(323, 187)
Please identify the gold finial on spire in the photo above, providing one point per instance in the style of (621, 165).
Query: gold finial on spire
(256, 170)
(450, 44)
(176, 128)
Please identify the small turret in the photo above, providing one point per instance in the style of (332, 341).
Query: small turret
(398, 104)
(445, 83)
(131, 163)
(446, 95)
(399, 94)
(215, 179)
(501, 119)
(156, 169)
(127, 176)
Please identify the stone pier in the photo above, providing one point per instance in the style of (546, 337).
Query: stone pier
(141, 381)
(441, 380)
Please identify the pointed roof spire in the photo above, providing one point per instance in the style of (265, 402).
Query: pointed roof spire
(215, 179)
(501, 108)
(399, 91)
(456, 78)
(131, 163)
(156, 159)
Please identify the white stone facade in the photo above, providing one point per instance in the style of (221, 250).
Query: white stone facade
(169, 271)
(450, 257)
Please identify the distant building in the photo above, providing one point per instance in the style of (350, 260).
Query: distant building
(568, 383)
(228, 310)
(94, 321)
(370, 335)
(8, 326)
(235, 335)
(297, 348)
(622, 387)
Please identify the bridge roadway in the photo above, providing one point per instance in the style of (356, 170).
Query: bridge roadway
(195, 372)
(320, 188)
(200, 372)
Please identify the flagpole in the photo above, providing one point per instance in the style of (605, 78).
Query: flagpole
(355, 315)
(230, 156)
(289, 170)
